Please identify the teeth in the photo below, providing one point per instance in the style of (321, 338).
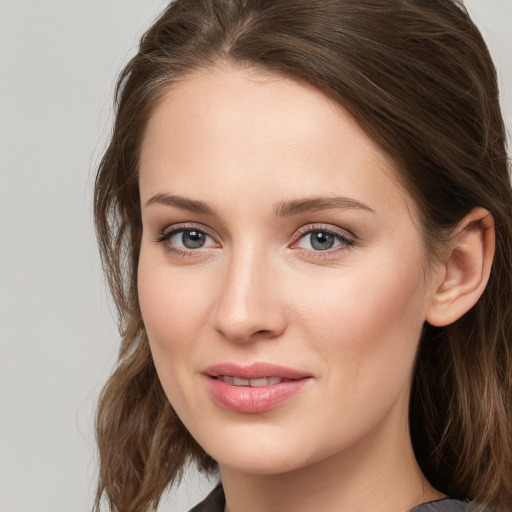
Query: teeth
(235, 381)
(258, 382)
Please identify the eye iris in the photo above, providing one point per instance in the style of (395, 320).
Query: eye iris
(193, 239)
(321, 241)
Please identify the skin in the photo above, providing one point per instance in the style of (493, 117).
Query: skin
(350, 316)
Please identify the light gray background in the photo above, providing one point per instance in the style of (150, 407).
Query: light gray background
(58, 63)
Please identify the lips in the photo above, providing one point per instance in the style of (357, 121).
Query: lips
(255, 388)
(254, 383)
(254, 371)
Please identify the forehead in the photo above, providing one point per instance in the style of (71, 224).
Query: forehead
(260, 135)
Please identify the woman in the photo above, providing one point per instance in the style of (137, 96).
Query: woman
(305, 219)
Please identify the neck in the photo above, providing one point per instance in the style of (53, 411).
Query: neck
(379, 472)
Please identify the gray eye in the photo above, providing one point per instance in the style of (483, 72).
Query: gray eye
(321, 241)
(186, 239)
(193, 239)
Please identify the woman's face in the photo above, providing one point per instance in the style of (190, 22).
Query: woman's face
(277, 244)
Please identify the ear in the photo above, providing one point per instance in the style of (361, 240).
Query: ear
(465, 271)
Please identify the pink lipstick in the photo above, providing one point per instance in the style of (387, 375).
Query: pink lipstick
(255, 388)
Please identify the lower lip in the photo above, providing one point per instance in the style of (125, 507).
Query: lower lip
(252, 400)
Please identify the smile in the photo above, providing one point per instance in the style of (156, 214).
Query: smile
(252, 389)
(256, 383)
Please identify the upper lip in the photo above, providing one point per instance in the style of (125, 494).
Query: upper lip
(254, 371)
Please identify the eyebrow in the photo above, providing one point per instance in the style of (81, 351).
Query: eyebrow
(295, 206)
(181, 202)
(281, 209)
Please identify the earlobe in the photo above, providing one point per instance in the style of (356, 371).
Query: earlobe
(466, 269)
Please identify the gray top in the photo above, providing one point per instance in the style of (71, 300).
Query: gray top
(216, 501)
(446, 505)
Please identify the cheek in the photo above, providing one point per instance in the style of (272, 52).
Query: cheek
(172, 308)
(365, 332)
(366, 324)
(174, 316)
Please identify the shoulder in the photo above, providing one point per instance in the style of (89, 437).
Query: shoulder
(214, 502)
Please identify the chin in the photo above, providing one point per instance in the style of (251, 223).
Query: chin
(257, 463)
(259, 452)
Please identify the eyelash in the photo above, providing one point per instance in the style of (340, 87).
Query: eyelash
(164, 236)
(346, 240)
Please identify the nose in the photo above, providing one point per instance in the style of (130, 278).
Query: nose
(249, 304)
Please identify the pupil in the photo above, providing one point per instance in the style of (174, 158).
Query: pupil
(193, 239)
(322, 241)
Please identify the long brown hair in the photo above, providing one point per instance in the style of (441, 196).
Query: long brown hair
(418, 77)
